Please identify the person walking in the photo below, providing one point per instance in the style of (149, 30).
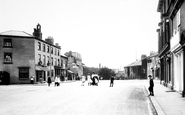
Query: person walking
(111, 81)
(151, 83)
(49, 81)
(56, 81)
(83, 80)
(89, 79)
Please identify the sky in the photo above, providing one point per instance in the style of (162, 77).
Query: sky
(113, 33)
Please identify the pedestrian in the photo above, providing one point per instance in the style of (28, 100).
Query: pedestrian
(49, 81)
(89, 79)
(56, 81)
(32, 79)
(83, 80)
(111, 81)
(151, 83)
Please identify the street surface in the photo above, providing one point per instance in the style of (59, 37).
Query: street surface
(127, 97)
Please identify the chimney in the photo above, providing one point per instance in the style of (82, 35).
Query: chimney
(37, 32)
(143, 57)
(50, 40)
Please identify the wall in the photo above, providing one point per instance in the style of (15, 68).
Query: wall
(22, 56)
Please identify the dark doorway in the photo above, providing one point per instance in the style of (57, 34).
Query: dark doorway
(4, 78)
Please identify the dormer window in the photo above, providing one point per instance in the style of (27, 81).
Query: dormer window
(8, 43)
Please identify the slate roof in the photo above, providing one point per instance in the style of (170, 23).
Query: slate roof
(16, 33)
(136, 63)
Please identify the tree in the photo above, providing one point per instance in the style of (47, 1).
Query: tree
(90, 70)
(106, 73)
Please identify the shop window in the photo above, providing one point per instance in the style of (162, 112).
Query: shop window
(7, 58)
(8, 43)
(23, 72)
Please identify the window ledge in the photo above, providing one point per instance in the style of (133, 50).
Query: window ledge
(7, 62)
(7, 47)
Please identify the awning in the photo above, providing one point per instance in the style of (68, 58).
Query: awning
(42, 68)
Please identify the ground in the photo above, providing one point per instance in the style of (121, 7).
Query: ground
(127, 97)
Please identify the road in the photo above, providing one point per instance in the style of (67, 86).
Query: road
(125, 98)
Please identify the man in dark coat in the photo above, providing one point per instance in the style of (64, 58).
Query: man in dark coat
(111, 81)
(151, 82)
(49, 81)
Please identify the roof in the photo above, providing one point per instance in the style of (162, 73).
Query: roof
(136, 63)
(16, 33)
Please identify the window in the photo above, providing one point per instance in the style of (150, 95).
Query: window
(44, 49)
(48, 61)
(7, 42)
(62, 63)
(39, 46)
(51, 50)
(47, 48)
(58, 62)
(55, 51)
(39, 62)
(58, 53)
(23, 72)
(7, 57)
(44, 60)
(52, 73)
(51, 60)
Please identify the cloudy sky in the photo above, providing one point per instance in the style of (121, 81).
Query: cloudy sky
(112, 32)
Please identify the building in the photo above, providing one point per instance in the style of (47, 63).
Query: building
(75, 64)
(153, 67)
(133, 70)
(23, 55)
(64, 61)
(171, 43)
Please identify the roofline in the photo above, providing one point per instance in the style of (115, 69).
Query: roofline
(31, 36)
(159, 6)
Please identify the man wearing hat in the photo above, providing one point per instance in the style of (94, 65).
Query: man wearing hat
(151, 86)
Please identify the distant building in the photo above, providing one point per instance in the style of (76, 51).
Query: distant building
(23, 55)
(133, 70)
(75, 64)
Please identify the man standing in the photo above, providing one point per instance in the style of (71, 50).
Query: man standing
(49, 81)
(111, 81)
(151, 82)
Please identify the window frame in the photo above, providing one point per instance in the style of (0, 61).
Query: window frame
(24, 74)
(11, 57)
(44, 47)
(39, 46)
(7, 40)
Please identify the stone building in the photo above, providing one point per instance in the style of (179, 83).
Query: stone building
(23, 55)
(171, 43)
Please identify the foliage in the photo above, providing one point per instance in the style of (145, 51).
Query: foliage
(90, 70)
(106, 73)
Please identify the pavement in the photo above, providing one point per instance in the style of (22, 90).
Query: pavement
(166, 101)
